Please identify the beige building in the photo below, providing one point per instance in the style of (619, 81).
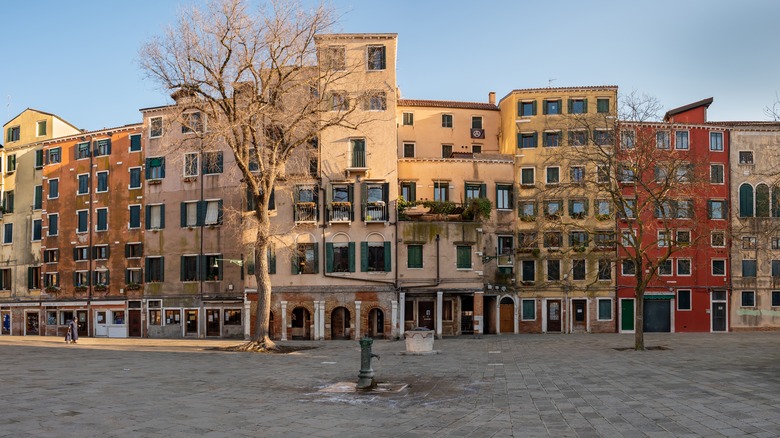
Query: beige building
(21, 179)
(566, 226)
(755, 225)
(455, 250)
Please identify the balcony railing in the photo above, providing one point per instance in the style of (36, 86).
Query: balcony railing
(377, 212)
(340, 212)
(437, 211)
(358, 160)
(306, 212)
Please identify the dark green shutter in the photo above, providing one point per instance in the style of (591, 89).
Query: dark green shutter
(271, 259)
(569, 106)
(162, 167)
(519, 109)
(135, 142)
(127, 250)
(328, 257)
(536, 139)
(585, 106)
(745, 200)
(363, 200)
(183, 214)
(351, 246)
(148, 168)
(30, 277)
(544, 107)
(148, 217)
(148, 273)
(220, 162)
(127, 276)
(388, 257)
(108, 151)
(363, 256)
(200, 212)
(316, 258)
(519, 140)
(162, 216)
(182, 269)
(351, 199)
(533, 109)
(316, 197)
(294, 260)
(483, 190)
(76, 279)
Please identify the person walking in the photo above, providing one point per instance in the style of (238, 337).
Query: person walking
(67, 333)
(74, 330)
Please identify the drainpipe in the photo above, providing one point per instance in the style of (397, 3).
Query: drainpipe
(201, 262)
(90, 222)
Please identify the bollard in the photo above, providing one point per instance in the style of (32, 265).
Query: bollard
(366, 374)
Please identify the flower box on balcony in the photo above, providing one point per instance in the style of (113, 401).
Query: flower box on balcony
(52, 289)
(341, 204)
(132, 286)
(306, 204)
(186, 179)
(101, 287)
(154, 181)
(80, 288)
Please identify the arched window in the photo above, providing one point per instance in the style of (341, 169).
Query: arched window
(762, 200)
(745, 200)
(775, 201)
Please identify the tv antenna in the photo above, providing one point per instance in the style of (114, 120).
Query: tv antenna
(550, 81)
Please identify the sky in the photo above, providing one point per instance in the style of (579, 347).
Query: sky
(80, 59)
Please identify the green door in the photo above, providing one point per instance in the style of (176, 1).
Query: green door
(627, 315)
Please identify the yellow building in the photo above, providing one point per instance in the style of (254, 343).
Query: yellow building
(21, 180)
(566, 226)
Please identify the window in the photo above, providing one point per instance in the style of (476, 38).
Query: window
(578, 269)
(51, 255)
(340, 257)
(504, 250)
(749, 242)
(102, 219)
(748, 299)
(191, 123)
(51, 279)
(82, 221)
(551, 139)
(775, 243)
(716, 209)
(605, 270)
(602, 105)
(719, 267)
(602, 176)
(8, 233)
(775, 298)
(12, 134)
(504, 197)
(376, 57)
(54, 221)
(232, 317)
(358, 149)
(414, 259)
(38, 197)
(683, 237)
(662, 140)
(577, 174)
(408, 191)
(578, 106)
(54, 155)
(5, 279)
(190, 214)
(745, 157)
(683, 266)
(339, 101)
(527, 240)
(528, 271)
(684, 300)
(681, 140)
(155, 168)
(716, 141)
(83, 184)
(552, 107)
(376, 101)
(663, 239)
(335, 58)
(716, 174)
(552, 209)
(375, 257)
(306, 260)
(775, 268)
(578, 138)
(441, 191)
(133, 250)
(408, 150)
(603, 208)
(82, 150)
(627, 139)
(81, 253)
(474, 191)
(718, 239)
(476, 149)
(155, 316)
(213, 211)
(212, 162)
(628, 209)
(527, 176)
(604, 239)
(526, 109)
(191, 164)
(529, 310)
(189, 268)
(527, 209)
(665, 267)
(476, 122)
(628, 267)
(103, 147)
(684, 173)
(748, 268)
(463, 257)
(37, 225)
(602, 137)
(100, 252)
(154, 269)
(628, 238)
(39, 159)
(135, 178)
(172, 317)
(526, 140)
(54, 188)
(34, 277)
(446, 151)
(578, 208)
(553, 270)
(155, 127)
(135, 142)
(446, 120)
(102, 182)
(553, 175)
(40, 128)
(553, 239)
(155, 216)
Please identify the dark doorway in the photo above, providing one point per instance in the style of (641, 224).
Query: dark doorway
(507, 318)
(718, 316)
(376, 323)
(301, 320)
(554, 316)
(489, 319)
(467, 315)
(579, 307)
(339, 323)
(212, 322)
(31, 323)
(134, 323)
(191, 322)
(657, 316)
(425, 314)
(627, 315)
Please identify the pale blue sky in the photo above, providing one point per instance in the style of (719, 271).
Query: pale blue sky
(79, 59)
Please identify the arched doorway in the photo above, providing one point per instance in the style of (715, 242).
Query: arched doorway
(301, 321)
(507, 321)
(376, 323)
(339, 323)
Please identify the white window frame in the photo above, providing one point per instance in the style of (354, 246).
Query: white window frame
(533, 175)
(547, 269)
(712, 235)
(722, 145)
(38, 128)
(547, 175)
(741, 293)
(503, 203)
(151, 127)
(78, 183)
(690, 267)
(97, 181)
(522, 318)
(48, 192)
(690, 301)
(585, 268)
(190, 221)
(197, 164)
(622, 267)
(97, 220)
(712, 267)
(687, 140)
(48, 221)
(404, 118)
(86, 230)
(152, 209)
(665, 146)
(140, 178)
(722, 173)
(452, 120)
(79, 249)
(414, 149)
(32, 230)
(11, 224)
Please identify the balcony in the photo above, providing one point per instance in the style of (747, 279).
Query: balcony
(376, 212)
(357, 162)
(340, 212)
(475, 210)
(305, 212)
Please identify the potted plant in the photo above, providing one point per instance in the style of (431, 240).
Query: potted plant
(101, 287)
(52, 289)
(80, 288)
(132, 286)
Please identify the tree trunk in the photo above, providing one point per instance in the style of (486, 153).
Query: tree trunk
(639, 324)
(261, 337)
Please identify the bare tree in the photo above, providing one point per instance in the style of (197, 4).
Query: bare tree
(255, 73)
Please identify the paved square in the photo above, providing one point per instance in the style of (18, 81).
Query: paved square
(515, 385)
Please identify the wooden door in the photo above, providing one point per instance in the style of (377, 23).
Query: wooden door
(580, 316)
(554, 316)
(507, 316)
(212, 322)
(425, 315)
(134, 323)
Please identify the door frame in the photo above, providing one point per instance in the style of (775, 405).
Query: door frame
(573, 314)
(30, 312)
(546, 312)
(186, 311)
(208, 312)
(420, 314)
(712, 311)
(633, 316)
(514, 313)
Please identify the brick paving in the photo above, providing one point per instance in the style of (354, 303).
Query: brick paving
(502, 386)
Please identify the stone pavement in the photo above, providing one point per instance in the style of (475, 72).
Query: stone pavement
(502, 386)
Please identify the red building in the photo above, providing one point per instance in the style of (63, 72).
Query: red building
(674, 179)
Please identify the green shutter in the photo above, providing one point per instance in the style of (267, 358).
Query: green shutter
(316, 258)
(519, 140)
(250, 263)
(271, 259)
(294, 262)
(182, 269)
(533, 109)
(200, 209)
(536, 139)
(351, 256)
(388, 257)
(544, 107)
(585, 106)
(162, 216)
(30, 277)
(363, 200)
(328, 257)
(519, 109)
(745, 201)
(569, 106)
(483, 190)
(363, 256)
(183, 214)
(148, 217)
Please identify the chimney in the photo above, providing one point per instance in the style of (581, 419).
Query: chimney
(492, 98)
